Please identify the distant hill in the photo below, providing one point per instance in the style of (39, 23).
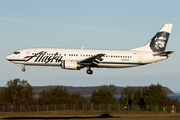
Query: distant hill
(87, 91)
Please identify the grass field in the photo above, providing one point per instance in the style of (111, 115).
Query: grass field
(92, 115)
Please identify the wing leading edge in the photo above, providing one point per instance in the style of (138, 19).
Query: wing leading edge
(92, 60)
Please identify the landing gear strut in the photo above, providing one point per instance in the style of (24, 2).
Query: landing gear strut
(89, 71)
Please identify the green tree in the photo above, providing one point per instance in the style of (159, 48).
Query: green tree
(126, 96)
(17, 92)
(103, 96)
(138, 97)
(56, 95)
(1, 98)
(156, 96)
(112, 88)
(77, 98)
(60, 95)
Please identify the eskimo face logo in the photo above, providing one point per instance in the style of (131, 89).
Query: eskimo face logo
(159, 42)
(44, 57)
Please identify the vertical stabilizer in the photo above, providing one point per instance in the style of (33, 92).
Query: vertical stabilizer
(159, 41)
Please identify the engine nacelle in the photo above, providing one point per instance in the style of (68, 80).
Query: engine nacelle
(70, 64)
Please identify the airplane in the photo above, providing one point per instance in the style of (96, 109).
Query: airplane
(76, 59)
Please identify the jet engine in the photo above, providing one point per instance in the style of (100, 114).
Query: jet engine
(71, 65)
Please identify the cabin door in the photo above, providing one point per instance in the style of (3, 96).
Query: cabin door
(139, 58)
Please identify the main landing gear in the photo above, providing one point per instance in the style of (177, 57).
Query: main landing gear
(89, 71)
(23, 69)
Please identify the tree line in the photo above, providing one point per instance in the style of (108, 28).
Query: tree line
(20, 92)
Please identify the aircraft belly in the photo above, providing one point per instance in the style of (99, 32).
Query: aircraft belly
(105, 65)
(39, 63)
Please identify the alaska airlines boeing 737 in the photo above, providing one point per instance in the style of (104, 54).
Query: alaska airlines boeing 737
(76, 59)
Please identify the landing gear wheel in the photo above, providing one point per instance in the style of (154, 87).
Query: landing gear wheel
(89, 71)
(23, 69)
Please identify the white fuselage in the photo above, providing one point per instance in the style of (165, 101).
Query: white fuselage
(54, 56)
(76, 59)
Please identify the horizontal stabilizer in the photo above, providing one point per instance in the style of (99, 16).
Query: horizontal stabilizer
(163, 53)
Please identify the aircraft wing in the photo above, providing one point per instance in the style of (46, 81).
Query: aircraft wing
(92, 60)
(163, 53)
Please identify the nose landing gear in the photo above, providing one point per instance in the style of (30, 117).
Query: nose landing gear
(89, 71)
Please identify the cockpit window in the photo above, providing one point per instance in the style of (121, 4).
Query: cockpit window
(16, 52)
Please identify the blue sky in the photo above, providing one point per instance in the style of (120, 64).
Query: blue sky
(100, 24)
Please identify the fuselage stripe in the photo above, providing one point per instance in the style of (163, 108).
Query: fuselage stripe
(123, 63)
(16, 59)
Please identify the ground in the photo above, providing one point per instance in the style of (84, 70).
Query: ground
(92, 115)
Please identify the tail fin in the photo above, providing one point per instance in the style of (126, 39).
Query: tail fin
(159, 41)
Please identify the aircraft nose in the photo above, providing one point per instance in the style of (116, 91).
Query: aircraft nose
(8, 57)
